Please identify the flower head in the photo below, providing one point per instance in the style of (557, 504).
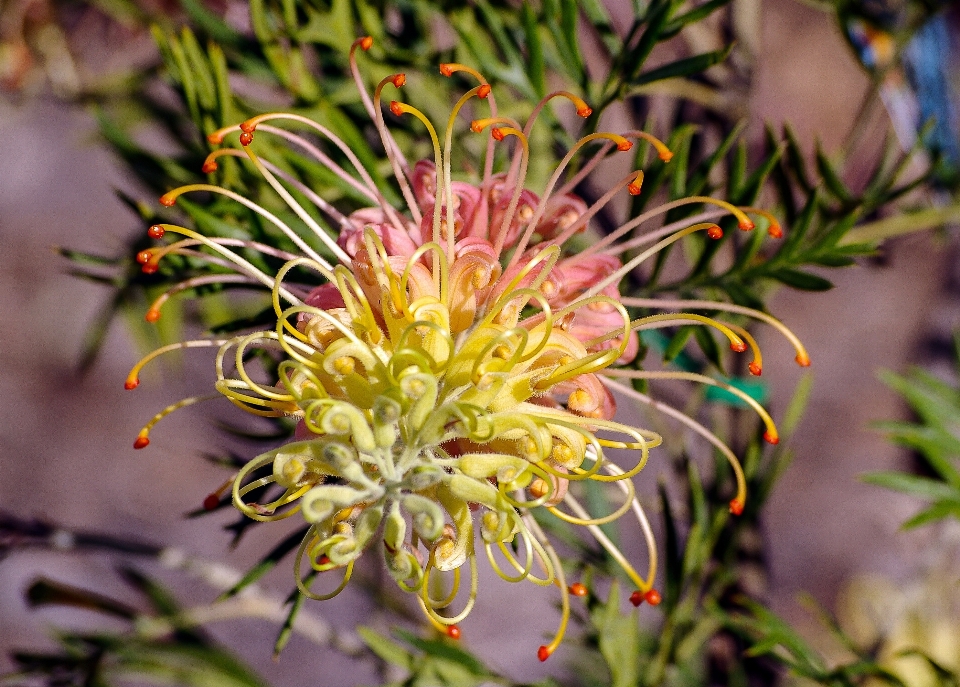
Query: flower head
(450, 365)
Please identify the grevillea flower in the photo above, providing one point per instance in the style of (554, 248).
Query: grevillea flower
(450, 364)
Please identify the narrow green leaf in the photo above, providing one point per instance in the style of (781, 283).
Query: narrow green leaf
(831, 178)
(677, 342)
(801, 280)
(268, 562)
(798, 404)
(685, 67)
(924, 487)
(693, 16)
(47, 592)
(444, 649)
(536, 67)
(619, 640)
(708, 345)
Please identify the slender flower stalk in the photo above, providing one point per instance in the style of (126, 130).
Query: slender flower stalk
(449, 363)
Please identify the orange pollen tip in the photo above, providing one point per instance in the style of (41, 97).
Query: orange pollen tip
(803, 360)
(633, 189)
(152, 315)
(246, 138)
(774, 231)
(143, 257)
(666, 156)
(211, 502)
(366, 43)
(736, 507)
(578, 589)
(398, 79)
(216, 138)
(746, 226)
(484, 91)
(585, 111)
(624, 146)
(476, 127)
(636, 598)
(653, 597)
(737, 346)
(141, 442)
(497, 133)
(543, 653)
(209, 166)
(131, 384)
(446, 69)
(453, 632)
(396, 108)
(150, 268)
(167, 200)
(771, 438)
(755, 369)
(715, 232)
(248, 127)
(155, 232)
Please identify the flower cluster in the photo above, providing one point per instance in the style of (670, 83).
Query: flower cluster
(453, 369)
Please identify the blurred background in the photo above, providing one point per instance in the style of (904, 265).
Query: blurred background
(65, 437)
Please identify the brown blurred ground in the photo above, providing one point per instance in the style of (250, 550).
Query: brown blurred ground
(65, 441)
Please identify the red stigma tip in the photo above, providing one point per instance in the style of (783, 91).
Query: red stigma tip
(738, 346)
(715, 232)
(211, 502)
(396, 108)
(584, 111)
(141, 442)
(167, 200)
(771, 438)
(398, 79)
(636, 598)
(131, 384)
(150, 268)
(324, 560)
(803, 360)
(155, 232)
(143, 257)
(736, 507)
(215, 138)
(484, 91)
(209, 167)
(578, 589)
(755, 369)
(624, 146)
(446, 69)
(453, 632)
(746, 226)
(653, 597)
(248, 127)
(152, 315)
(246, 139)
(366, 43)
(543, 653)
(633, 189)
(774, 231)
(497, 133)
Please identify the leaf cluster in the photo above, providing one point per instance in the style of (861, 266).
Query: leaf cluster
(183, 656)
(934, 436)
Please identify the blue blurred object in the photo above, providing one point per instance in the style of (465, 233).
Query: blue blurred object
(923, 95)
(928, 59)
